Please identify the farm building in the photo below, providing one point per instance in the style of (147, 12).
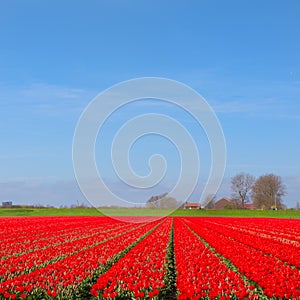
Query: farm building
(192, 205)
(224, 203)
(227, 203)
(250, 206)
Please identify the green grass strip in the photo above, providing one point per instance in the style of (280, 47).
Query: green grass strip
(106, 211)
(170, 290)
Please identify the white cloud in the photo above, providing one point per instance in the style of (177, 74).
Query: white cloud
(263, 108)
(40, 90)
(41, 98)
(35, 192)
(236, 106)
(60, 193)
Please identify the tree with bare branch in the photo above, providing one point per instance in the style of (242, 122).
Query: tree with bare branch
(241, 186)
(268, 191)
(162, 201)
(209, 201)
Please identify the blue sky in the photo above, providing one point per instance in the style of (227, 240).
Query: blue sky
(55, 56)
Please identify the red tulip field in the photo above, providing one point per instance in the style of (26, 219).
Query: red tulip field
(167, 258)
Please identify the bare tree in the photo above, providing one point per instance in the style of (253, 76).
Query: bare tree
(241, 186)
(268, 191)
(162, 201)
(168, 202)
(153, 202)
(209, 201)
(297, 206)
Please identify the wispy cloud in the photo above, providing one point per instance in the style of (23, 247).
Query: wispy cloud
(35, 192)
(14, 155)
(40, 90)
(239, 106)
(45, 99)
(264, 108)
(67, 192)
(271, 99)
(263, 167)
(255, 98)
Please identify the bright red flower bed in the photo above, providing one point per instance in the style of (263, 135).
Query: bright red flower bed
(180, 257)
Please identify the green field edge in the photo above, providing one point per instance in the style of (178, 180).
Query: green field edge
(114, 212)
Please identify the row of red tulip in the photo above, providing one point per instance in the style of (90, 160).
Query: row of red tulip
(282, 230)
(215, 258)
(64, 275)
(30, 234)
(20, 264)
(285, 249)
(275, 277)
(140, 273)
(200, 273)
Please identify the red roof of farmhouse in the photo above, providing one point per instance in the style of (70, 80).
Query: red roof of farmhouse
(192, 204)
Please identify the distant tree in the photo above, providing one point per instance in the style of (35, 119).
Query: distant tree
(241, 187)
(162, 201)
(297, 206)
(168, 202)
(209, 202)
(154, 201)
(82, 205)
(268, 191)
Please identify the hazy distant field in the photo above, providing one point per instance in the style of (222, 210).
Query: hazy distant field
(143, 212)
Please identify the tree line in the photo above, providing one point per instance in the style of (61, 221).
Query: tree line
(162, 201)
(266, 192)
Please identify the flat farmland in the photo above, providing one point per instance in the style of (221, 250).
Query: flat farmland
(108, 211)
(175, 257)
